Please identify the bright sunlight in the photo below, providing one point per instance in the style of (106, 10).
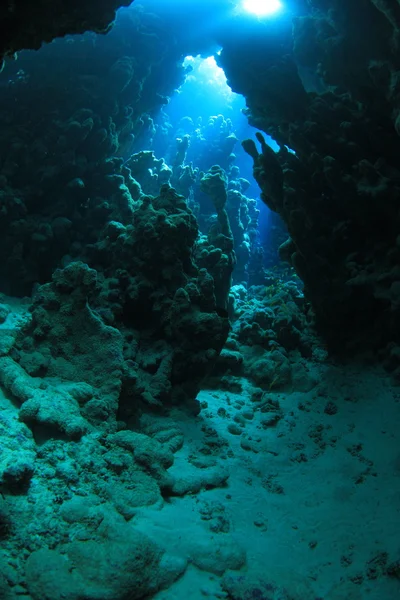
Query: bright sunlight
(262, 8)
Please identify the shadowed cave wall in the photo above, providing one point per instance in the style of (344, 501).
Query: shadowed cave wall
(338, 195)
(27, 25)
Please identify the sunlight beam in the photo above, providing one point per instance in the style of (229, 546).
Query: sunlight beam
(262, 8)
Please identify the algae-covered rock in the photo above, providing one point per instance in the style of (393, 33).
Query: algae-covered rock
(111, 570)
(17, 452)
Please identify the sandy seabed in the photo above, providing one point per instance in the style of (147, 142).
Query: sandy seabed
(314, 499)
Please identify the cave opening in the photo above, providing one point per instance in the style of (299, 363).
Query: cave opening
(205, 108)
(199, 269)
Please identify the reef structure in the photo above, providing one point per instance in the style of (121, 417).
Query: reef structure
(328, 97)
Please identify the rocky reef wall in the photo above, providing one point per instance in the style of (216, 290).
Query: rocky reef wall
(327, 91)
(104, 241)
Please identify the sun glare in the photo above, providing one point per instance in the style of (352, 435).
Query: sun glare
(262, 8)
(206, 71)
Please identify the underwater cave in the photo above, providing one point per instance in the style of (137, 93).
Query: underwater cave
(199, 321)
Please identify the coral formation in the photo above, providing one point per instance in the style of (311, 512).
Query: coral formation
(270, 341)
(214, 183)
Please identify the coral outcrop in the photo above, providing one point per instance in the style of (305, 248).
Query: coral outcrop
(59, 182)
(143, 329)
(271, 339)
(214, 183)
